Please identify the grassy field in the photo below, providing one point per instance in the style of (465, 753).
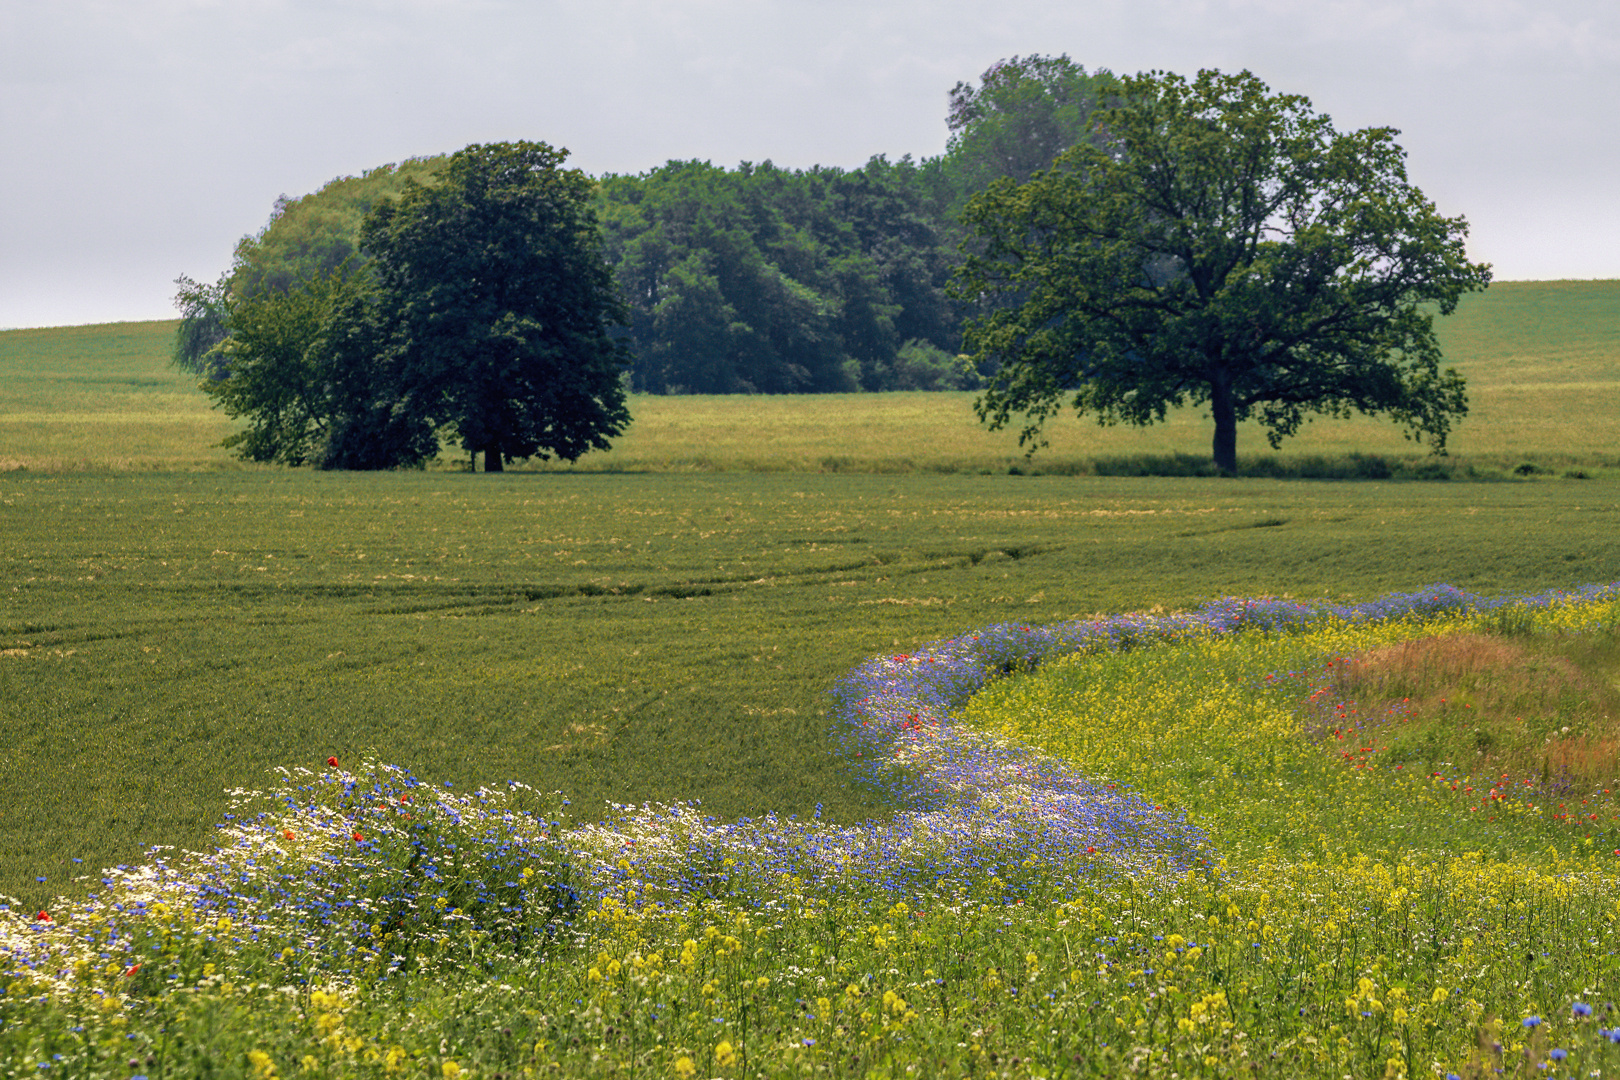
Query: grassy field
(1542, 361)
(602, 632)
(102, 397)
(668, 622)
(165, 635)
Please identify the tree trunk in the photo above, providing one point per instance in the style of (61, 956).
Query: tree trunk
(1223, 409)
(492, 459)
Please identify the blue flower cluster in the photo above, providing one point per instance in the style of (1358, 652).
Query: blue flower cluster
(332, 871)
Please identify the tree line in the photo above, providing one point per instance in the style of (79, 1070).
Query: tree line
(751, 279)
(1121, 246)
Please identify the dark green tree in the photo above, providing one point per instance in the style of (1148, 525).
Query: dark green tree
(377, 417)
(767, 280)
(728, 293)
(314, 371)
(1221, 245)
(748, 280)
(501, 315)
(306, 237)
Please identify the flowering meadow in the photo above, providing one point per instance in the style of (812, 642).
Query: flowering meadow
(1141, 845)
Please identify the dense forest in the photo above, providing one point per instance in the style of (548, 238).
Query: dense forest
(753, 279)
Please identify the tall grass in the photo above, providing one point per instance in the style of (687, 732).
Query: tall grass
(1536, 712)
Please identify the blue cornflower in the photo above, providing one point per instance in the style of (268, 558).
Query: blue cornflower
(1532, 1021)
(1581, 1009)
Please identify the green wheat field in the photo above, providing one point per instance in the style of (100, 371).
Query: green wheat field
(669, 621)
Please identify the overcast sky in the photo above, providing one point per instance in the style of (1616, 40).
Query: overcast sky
(139, 139)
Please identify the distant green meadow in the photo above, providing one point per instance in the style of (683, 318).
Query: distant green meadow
(666, 622)
(1542, 361)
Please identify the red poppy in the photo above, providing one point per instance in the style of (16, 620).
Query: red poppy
(332, 761)
(358, 838)
(44, 917)
(132, 969)
(287, 834)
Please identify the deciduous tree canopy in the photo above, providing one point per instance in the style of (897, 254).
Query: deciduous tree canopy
(315, 234)
(1023, 113)
(498, 307)
(1218, 244)
(1124, 246)
(484, 310)
(203, 315)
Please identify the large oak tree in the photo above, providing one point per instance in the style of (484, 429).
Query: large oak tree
(1217, 244)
